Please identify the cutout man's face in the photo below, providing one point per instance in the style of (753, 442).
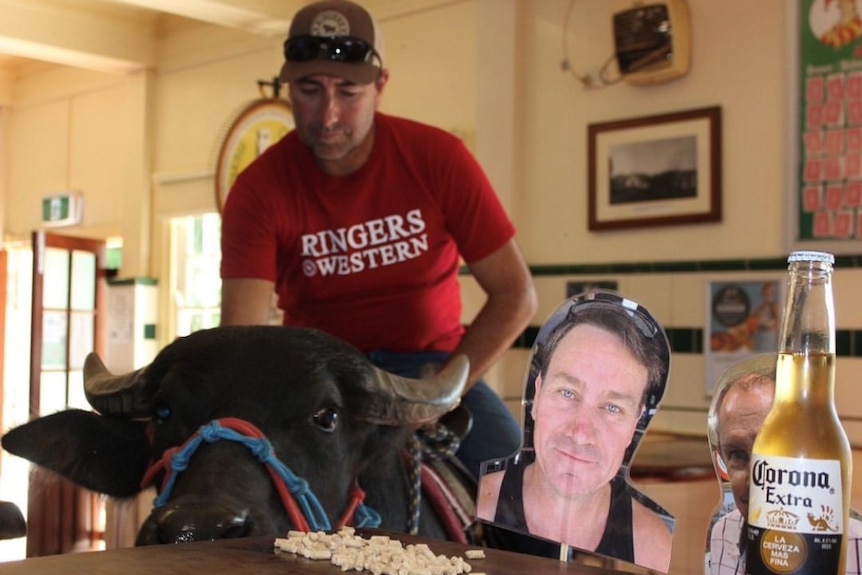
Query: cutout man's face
(586, 410)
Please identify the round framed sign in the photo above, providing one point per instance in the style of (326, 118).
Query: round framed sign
(260, 124)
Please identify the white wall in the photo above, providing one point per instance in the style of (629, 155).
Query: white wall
(738, 61)
(143, 148)
(67, 126)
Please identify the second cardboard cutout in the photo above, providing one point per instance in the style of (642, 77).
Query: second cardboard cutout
(598, 371)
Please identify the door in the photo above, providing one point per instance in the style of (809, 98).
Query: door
(69, 286)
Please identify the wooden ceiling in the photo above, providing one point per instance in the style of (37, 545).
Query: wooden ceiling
(119, 36)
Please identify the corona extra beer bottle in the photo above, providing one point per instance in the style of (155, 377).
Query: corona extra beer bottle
(799, 488)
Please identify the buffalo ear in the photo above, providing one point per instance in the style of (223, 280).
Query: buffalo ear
(104, 454)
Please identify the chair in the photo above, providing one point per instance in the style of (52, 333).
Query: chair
(12, 523)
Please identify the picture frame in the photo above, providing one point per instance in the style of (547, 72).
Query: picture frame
(655, 170)
(259, 124)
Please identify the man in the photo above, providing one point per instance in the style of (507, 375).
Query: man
(743, 397)
(358, 221)
(598, 376)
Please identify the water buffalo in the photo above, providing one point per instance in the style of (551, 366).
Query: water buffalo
(248, 431)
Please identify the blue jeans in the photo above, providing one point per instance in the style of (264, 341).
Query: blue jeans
(495, 433)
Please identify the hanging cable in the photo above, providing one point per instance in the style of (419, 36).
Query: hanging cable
(566, 64)
(602, 79)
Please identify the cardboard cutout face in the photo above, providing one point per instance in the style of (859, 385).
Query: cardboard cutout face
(597, 373)
(742, 398)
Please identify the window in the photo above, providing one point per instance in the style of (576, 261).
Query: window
(196, 248)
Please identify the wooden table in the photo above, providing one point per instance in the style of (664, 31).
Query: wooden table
(257, 556)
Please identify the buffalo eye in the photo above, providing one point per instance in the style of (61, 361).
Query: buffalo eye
(326, 419)
(162, 412)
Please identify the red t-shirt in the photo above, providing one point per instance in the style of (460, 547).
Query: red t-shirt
(371, 257)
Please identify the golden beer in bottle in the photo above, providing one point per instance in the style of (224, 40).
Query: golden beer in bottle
(801, 467)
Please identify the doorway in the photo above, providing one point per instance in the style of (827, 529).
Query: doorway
(67, 322)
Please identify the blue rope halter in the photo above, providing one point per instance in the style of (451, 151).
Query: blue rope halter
(297, 489)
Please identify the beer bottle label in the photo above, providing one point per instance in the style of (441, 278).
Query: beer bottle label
(795, 516)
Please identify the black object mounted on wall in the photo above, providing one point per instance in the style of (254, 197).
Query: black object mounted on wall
(652, 41)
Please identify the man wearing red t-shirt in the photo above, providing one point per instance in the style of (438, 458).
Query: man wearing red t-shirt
(359, 221)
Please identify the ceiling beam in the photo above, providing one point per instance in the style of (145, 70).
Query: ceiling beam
(119, 36)
(85, 39)
(266, 17)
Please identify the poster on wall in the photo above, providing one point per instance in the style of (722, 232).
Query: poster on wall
(743, 319)
(828, 116)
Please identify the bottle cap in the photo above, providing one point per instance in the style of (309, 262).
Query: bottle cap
(811, 256)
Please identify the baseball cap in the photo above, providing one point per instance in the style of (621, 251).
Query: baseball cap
(335, 37)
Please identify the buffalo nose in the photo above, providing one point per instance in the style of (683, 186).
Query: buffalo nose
(184, 524)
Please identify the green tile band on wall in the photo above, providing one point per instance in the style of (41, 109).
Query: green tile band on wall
(681, 339)
(672, 267)
(693, 266)
(848, 342)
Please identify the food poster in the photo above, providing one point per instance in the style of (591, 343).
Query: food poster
(829, 118)
(744, 317)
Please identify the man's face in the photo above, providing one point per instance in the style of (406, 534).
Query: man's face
(740, 416)
(334, 116)
(586, 409)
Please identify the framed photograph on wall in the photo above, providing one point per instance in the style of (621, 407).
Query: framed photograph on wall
(655, 170)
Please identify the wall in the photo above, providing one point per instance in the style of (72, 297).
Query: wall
(71, 129)
(206, 76)
(738, 63)
(143, 147)
(679, 301)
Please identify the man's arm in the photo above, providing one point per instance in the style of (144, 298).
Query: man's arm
(511, 304)
(246, 301)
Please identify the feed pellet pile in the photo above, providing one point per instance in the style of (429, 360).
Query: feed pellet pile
(378, 554)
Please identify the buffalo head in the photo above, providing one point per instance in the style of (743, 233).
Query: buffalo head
(222, 416)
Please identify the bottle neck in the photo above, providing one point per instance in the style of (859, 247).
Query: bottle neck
(808, 323)
(806, 345)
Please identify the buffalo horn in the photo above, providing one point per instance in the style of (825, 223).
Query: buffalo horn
(110, 394)
(403, 401)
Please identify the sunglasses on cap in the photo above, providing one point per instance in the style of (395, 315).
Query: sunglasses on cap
(346, 49)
